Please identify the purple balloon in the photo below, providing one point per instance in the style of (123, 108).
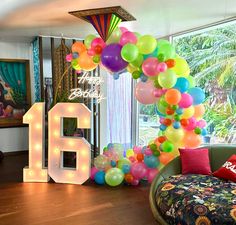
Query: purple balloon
(111, 58)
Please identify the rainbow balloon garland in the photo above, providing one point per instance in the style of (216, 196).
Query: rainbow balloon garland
(164, 80)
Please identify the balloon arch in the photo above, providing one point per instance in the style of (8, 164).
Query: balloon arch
(163, 79)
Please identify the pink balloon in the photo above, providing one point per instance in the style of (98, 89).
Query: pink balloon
(135, 182)
(148, 151)
(69, 57)
(161, 67)
(94, 170)
(157, 93)
(132, 159)
(138, 170)
(152, 174)
(137, 149)
(149, 66)
(192, 124)
(144, 92)
(123, 29)
(201, 123)
(162, 120)
(98, 41)
(186, 100)
(128, 37)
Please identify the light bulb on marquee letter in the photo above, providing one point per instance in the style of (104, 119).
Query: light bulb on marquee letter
(59, 143)
(35, 118)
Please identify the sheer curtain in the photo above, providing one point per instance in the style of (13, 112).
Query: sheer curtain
(119, 106)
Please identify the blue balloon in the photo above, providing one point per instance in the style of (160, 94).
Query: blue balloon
(151, 161)
(143, 149)
(163, 127)
(75, 55)
(176, 125)
(179, 111)
(182, 84)
(197, 94)
(116, 76)
(126, 168)
(153, 54)
(113, 163)
(143, 78)
(100, 177)
(204, 132)
(110, 146)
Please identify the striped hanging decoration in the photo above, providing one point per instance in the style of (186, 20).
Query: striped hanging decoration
(105, 24)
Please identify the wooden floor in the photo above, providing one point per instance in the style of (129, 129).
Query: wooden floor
(60, 204)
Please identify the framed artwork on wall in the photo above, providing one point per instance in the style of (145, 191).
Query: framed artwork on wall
(15, 93)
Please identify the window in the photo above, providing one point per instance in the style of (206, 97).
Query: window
(148, 123)
(211, 54)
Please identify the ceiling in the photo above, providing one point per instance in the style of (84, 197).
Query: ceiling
(23, 19)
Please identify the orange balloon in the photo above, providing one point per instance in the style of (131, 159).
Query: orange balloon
(129, 178)
(165, 157)
(156, 141)
(78, 47)
(86, 62)
(161, 139)
(191, 140)
(140, 157)
(173, 96)
(169, 111)
(199, 111)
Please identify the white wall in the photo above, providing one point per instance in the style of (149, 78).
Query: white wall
(16, 139)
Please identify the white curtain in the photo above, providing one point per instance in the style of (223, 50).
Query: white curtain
(119, 106)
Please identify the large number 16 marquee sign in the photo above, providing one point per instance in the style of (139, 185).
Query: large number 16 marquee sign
(57, 144)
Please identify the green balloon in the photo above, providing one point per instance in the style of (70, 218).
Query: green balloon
(161, 57)
(153, 147)
(162, 42)
(156, 84)
(167, 146)
(146, 44)
(174, 107)
(75, 65)
(167, 79)
(163, 102)
(123, 162)
(88, 40)
(177, 117)
(114, 177)
(156, 153)
(161, 108)
(96, 59)
(138, 61)
(167, 50)
(192, 82)
(198, 130)
(136, 74)
(129, 52)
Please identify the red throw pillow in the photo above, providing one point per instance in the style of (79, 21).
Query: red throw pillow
(195, 161)
(228, 170)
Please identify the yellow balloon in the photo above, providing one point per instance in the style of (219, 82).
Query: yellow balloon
(181, 67)
(131, 68)
(129, 153)
(188, 112)
(174, 135)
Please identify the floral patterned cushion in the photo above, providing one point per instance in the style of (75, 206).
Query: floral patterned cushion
(197, 200)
